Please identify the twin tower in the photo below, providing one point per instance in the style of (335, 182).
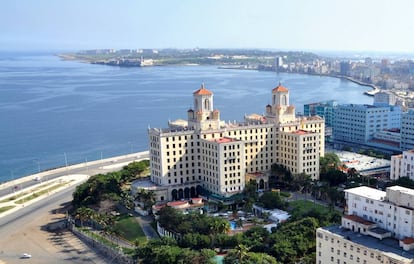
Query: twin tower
(203, 116)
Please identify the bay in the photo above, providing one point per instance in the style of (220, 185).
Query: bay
(50, 108)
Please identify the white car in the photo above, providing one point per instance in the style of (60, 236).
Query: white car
(26, 256)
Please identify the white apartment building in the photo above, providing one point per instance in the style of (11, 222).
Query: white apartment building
(205, 152)
(402, 165)
(377, 228)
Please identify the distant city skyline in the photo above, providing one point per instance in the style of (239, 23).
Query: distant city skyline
(318, 25)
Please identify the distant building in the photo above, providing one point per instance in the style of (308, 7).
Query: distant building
(368, 61)
(377, 227)
(357, 124)
(278, 63)
(345, 68)
(407, 130)
(384, 99)
(322, 109)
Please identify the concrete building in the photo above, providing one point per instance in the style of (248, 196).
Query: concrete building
(357, 124)
(204, 153)
(322, 109)
(377, 227)
(407, 130)
(402, 165)
(384, 99)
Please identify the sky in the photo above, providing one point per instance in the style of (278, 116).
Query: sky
(309, 25)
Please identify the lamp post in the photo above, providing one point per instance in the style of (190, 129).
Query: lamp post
(66, 160)
(130, 144)
(86, 164)
(38, 165)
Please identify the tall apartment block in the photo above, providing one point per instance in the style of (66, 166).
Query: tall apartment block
(377, 227)
(407, 130)
(205, 153)
(359, 124)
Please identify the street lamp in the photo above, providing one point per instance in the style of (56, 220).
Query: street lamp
(130, 144)
(66, 160)
(38, 164)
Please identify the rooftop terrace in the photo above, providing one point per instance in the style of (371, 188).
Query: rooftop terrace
(389, 246)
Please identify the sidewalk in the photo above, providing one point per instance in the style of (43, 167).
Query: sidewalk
(20, 195)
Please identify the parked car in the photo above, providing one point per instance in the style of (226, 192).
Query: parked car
(26, 256)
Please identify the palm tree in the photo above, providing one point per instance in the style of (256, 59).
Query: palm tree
(239, 223)
(146, 197)
(127, 199)
(83, 214)
(241, 252)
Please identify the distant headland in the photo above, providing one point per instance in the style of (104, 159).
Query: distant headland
(235, 58)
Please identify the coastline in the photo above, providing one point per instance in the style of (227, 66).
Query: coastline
(45, 173)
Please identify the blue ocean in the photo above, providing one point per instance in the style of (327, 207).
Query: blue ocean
(52, 109)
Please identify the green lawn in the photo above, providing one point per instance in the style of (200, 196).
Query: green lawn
(129, 228)
(303, 206)
(325, 215)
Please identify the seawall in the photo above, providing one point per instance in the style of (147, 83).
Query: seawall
(41, 174)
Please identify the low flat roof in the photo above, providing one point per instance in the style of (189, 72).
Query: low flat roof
(388, 246)
(402, 189)
(367, 192)
(360, 162)
(379, 230)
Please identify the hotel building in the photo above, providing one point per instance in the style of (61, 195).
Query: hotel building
(205, 153)
(377, 228)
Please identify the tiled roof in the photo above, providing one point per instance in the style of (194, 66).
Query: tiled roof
(280, 88)
(202, 91)
(358, 219)
(408, 240)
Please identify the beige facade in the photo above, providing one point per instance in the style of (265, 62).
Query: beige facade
(299, 152)
(207, 152)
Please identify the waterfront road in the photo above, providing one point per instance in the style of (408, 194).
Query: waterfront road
(85, 168)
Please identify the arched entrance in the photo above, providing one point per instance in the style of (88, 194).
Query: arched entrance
(261, 184)
(186, 192)
(174, 194)
(180, 194)
(193, 192)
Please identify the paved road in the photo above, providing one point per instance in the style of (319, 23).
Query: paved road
(23, 231)
(145, 223)
(88, 168)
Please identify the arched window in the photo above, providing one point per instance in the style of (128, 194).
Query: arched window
(207, 104)
(196, 104)
(284, 100)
